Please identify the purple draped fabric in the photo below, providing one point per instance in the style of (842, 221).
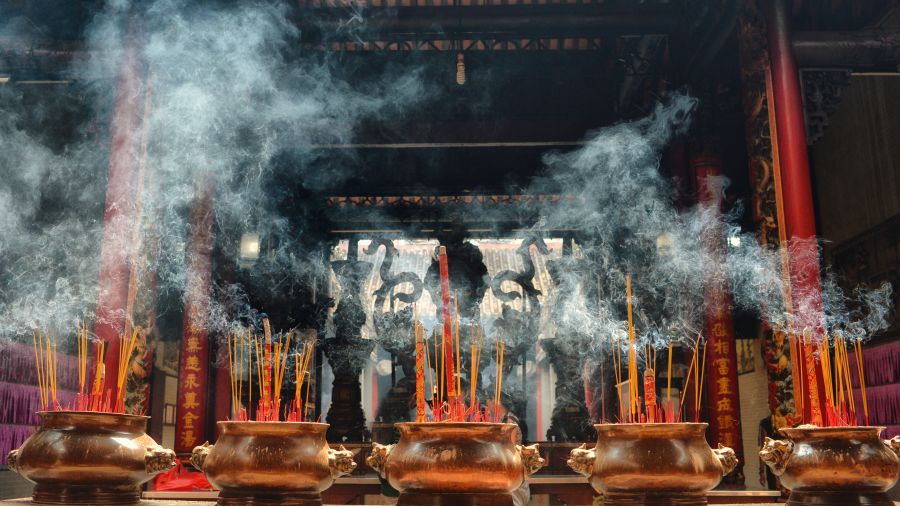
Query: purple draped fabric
(17, 366)
(11, 437)
(19, 404)
(19, 395)
(881, 364)
(884, 404)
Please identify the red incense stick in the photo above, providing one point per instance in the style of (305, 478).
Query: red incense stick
(448, 337)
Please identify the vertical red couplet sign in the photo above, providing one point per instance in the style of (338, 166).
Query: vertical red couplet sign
(448, 335)
(192, 378)
(722, 382)
(721, 355)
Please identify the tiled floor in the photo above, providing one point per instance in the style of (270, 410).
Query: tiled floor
(13, 485)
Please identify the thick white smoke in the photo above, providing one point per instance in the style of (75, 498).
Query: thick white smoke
(226, 91)
(626, 210)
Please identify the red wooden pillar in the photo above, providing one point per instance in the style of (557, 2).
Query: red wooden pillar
(121, 215)
(797, 198)
(194, 365)
(721, 350)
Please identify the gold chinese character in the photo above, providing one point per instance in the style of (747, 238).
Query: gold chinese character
(724, 404)
(188, 438)
(190, 381)
(725, 422)
(193, 344)
(192, 363)
(719, 330)
(189, 418)
(724, 384)
(727, 439)
(190, 400)
(722, 347)
(723, 367)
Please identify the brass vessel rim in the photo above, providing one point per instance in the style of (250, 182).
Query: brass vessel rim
(787, 431)
(276, 429)
(67, 412)
(678, 424)
(456, 429)
(453, 424)
(249, 423)
(656, 430)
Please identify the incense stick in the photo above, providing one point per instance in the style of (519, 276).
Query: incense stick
(699, 387)
(456, 335)
(447, 360)
(420, 372)
(632, 357)
(669, 385)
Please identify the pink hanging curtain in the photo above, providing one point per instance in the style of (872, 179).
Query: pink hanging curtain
(881, 365)
(11, 437)
(17, 366)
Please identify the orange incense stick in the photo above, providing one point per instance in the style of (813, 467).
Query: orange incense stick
(420, 372)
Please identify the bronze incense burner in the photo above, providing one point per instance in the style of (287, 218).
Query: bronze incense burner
(455, 463)
(830, 466)
(80, 457)
(652, 464)
(271, 463)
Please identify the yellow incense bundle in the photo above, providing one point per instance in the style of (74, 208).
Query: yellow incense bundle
(632, 354)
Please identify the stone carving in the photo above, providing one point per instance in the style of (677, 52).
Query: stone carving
(347, 352)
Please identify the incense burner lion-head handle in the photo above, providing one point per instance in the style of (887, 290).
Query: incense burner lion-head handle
(158, 459)
(581, 460)
(12, 459)
(377, 459)
(531, 458)
(893, 444)
(341, 461)
(199, 454)
(727, 459)
(776, 453)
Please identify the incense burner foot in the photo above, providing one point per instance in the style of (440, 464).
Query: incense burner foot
(264, 498)
(444, 463)
(413, 499)
(652, 464)
(79, 457)
(837, 498)
(80, 494)
(625, 499)
(830, 466)
(271, 463)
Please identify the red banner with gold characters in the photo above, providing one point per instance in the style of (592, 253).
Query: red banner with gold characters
(721, 355)
(722, 380)
(194, 366)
